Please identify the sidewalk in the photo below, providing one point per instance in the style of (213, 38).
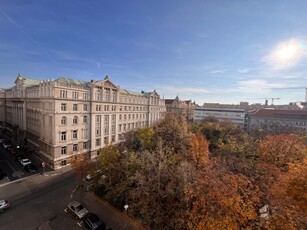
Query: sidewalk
(112, 217)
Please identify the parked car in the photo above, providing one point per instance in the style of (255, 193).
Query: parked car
(92, 221)
(30, 168)
(6, 145)
(25, 162)
(77, 209)
(4, 204)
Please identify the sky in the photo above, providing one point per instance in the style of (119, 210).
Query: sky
(222, 51)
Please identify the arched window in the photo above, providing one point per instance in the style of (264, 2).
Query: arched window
(75, 120)
(63, 121)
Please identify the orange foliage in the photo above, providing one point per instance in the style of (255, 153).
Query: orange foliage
(222, 200)
(282, 149)
(199, 149)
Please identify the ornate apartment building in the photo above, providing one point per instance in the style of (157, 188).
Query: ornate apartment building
(65, 117)
(177, 106)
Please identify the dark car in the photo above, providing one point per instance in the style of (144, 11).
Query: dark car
(92, 221)
(11, 150)
(30, 168)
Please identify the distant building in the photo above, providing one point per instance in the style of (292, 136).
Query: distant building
(182, 107)
(236, 116)
(273, 120)
(65, 117)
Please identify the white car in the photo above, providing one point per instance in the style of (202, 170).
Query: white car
(4, 204)
(5, 145)
(24, 162)
(77, 209)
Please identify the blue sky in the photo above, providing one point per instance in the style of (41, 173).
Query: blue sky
(223, 51)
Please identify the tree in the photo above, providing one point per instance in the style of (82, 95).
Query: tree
(282, 149)
(81, 165)
(222, 200)
(173, 131)
(199, 150)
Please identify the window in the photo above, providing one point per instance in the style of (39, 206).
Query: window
(75, 95)
(98, 107)
(63, 151)
(63, 93)
(120, 117)
(85, 107)
(113, 138)
(75, 147)
(98, 142)
(84, 119)
(106, 140)
(86, 96)
(63, 107)
(63, 162)
(63, 136)
(85, 146)
(75, 134)
(63, 121)
(75, 120)
(106, 124)
(75, 107)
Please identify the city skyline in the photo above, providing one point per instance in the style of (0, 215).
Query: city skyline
(206, 51)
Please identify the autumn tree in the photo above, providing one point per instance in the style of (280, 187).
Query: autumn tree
(81, 165)
(222, 200)
(282, 149)
(199, 150)
(173, 131)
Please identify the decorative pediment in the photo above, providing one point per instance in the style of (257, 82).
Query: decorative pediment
(106, 83)
(154, 94)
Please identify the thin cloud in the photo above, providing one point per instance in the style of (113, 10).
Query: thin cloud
(27, 35)
(220, 71)
(243, 71)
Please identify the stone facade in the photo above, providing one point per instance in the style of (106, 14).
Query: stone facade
(177, 106)
(65, 117)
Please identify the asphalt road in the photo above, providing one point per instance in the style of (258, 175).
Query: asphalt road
(39, 201)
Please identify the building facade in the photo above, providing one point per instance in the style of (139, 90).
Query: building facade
(236, 116)
(177, 106)
(65, 117)
(278, 120)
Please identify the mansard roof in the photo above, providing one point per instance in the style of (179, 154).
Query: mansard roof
(72, 81)
(27, 81)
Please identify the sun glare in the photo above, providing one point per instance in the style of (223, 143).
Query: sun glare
(286, 54)
(288, 51)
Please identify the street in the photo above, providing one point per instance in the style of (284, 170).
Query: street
(38, 200)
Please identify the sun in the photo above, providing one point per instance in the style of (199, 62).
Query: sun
(286, 54)
(287, 51)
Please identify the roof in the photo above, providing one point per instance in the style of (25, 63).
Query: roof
(142, 93)
(72, 81)
(169, 101)
(27, 81)
(274, 113)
